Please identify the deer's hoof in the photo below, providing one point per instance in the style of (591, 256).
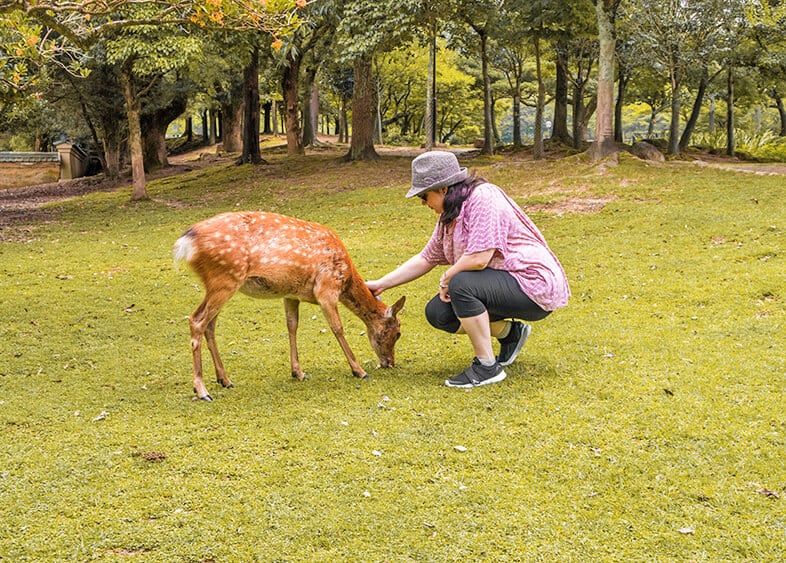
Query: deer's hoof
(207, 398)
(228, 385)
(299, 376)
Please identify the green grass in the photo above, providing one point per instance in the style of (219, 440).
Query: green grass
(645, 422)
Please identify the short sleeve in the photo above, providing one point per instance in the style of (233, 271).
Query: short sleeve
(434, 252)
(485, 222)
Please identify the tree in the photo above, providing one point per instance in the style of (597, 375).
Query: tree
(368, 28)
(604, 145)
(84, 24)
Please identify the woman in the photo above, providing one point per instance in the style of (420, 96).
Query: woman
(501, 268)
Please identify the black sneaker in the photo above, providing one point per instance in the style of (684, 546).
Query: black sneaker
(477, 374)
(511, 345)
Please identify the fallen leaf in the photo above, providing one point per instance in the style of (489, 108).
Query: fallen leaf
(101, 416)
(376, 453)
(768, 493)
(154, 456)
(460, 448)
(686, 530)
(366, 494)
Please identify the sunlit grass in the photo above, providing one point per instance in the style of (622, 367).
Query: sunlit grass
(643, 422)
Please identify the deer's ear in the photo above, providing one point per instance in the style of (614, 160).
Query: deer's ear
(396, 308)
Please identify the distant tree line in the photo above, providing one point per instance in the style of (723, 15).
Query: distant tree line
(415, 71)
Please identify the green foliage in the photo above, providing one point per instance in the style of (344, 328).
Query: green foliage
(645, 421)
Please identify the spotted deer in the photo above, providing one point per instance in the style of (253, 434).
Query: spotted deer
(267, 255)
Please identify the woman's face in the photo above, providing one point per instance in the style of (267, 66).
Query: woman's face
(435, 199)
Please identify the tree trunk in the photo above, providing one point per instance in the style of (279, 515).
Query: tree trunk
(213, 137)
(251, 153)
(488, 117)
(111, 145)
(517, 116)
(694, 114)
(232, 110)
(343, 133)
(362, 145)
(430, 117)
(559, 131)
(537, 149)
(289, 85)
(605, 11)
(310, 108)
(622, 82)
(781, 110)
(579, 135)
(189, 129)
(730, 141)
(154, 126)
(267, 128)
(133, 111)
(674, 127)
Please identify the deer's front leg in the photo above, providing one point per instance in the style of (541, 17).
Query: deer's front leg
(291, 307)
(331, 314)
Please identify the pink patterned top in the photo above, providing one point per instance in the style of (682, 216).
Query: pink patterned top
(489, 218)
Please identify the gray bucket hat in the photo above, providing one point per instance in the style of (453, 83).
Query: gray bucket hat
(435, 169)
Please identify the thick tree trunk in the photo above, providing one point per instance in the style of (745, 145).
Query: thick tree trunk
(559, 131)
(251, 153)
(310, 108)
(133, 111)
(232, 111)
(362, 145)
(604, 132)
(289, 85)
(154, 126)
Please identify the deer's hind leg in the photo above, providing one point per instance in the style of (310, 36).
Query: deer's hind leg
(202, 323)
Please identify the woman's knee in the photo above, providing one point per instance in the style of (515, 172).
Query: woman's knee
(440, 315)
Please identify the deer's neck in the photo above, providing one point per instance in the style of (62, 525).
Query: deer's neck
(360, 301)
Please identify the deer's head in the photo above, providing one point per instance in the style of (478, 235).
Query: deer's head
(385, 333)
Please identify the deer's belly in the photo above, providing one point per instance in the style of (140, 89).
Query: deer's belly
(263, 288)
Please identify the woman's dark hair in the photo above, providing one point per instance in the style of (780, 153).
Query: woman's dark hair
(454, 199)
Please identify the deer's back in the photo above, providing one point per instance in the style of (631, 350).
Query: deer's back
(271, 255)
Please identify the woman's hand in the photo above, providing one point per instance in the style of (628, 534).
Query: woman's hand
(375, 287)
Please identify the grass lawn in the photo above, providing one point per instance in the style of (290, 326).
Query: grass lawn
(645, 422)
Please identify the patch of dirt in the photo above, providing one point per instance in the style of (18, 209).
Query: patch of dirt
(573, 205)
(22, 209)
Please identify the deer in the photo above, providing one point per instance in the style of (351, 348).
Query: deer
(267, 255)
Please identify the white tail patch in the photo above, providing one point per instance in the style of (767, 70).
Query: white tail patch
(184, 250)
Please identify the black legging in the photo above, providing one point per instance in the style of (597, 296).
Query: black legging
(473, 292)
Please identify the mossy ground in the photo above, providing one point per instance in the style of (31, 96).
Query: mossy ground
(645, 422)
